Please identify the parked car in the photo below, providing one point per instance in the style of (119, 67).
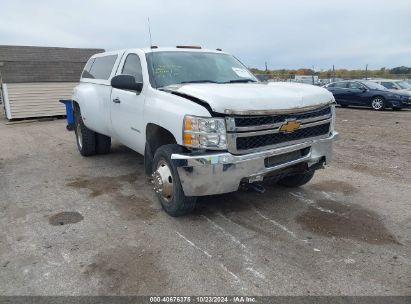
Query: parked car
(368, 94)
(394, 85)
(203, 122)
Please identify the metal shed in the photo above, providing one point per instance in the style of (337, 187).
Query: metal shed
(33, 79)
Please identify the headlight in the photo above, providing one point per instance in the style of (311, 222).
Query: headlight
(204, 132)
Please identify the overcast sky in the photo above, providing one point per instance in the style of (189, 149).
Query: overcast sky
(286, 34)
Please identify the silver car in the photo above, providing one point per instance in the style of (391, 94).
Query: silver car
(395, 85)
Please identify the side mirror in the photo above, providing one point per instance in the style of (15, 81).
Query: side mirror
(126, 82)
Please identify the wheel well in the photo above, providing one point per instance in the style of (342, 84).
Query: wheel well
(382, 97)
(156, 137)
(76, 106)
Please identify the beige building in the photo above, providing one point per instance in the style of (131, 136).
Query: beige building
(34, 79)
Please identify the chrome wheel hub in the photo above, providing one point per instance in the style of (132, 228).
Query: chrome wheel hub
(377, 103)
(163, 181)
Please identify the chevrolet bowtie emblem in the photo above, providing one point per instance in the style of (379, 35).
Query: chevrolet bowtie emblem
(290, 126)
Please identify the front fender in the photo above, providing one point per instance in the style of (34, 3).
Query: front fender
(168, 110)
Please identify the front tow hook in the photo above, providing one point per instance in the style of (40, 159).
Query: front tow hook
(256, 186)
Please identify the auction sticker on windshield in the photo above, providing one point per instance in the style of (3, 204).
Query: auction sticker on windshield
(241, 72)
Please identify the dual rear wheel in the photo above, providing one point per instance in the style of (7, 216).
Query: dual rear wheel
(89, 142)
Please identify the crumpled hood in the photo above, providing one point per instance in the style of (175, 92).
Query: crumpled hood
(255, 98)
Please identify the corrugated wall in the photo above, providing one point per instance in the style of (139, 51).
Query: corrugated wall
(37, 99)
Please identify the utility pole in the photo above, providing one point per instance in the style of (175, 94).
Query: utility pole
(312, 75)
(366, 71)
(333, 73)
(266, 69)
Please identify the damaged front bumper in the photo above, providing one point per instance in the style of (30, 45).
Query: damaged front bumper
(216, 173)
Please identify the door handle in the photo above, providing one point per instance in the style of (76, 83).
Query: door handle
(116, 100)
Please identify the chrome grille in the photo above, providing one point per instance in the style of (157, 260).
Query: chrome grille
(255, 133)
(269, 120)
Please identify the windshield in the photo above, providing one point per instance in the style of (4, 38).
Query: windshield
(404, 85)
(373, 85)
(166, 68)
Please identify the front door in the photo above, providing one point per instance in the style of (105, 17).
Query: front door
(356, 94)
(127, 107)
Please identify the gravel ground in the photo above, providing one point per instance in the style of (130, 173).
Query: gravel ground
(71, 225)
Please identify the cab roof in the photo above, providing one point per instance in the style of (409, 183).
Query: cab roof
(156, 49)
(179, 49)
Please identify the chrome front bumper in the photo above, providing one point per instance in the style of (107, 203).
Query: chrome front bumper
(216, 173)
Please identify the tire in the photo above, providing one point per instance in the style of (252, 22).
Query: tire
(378, 103)
(103, 143)
(170, 194)
(85, 138)
(296, 180)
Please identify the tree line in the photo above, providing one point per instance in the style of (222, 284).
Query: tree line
(397, 72)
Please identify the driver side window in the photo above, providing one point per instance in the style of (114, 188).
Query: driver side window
(132, 66)
(355, 85)
(341, 85)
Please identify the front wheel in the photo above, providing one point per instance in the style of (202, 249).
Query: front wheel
(296, 180)
(378, 103)
(167, 183)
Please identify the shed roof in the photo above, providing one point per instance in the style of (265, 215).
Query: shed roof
(42, 64)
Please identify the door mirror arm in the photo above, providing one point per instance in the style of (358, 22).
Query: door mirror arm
(126, 82)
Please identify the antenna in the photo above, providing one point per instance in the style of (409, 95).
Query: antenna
(152, 53)
(149, 31)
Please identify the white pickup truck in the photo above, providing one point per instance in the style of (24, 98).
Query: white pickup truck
(203, 122)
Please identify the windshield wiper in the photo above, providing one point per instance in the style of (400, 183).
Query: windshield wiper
(241, 80)
(199, 81)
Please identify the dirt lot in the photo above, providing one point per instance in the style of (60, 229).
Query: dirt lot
(71, 225)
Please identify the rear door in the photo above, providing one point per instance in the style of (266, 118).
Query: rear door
(96, 88)
(339, 90)
(127, 107)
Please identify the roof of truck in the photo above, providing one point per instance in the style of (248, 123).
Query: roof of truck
(162, 49)
(179, 49)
